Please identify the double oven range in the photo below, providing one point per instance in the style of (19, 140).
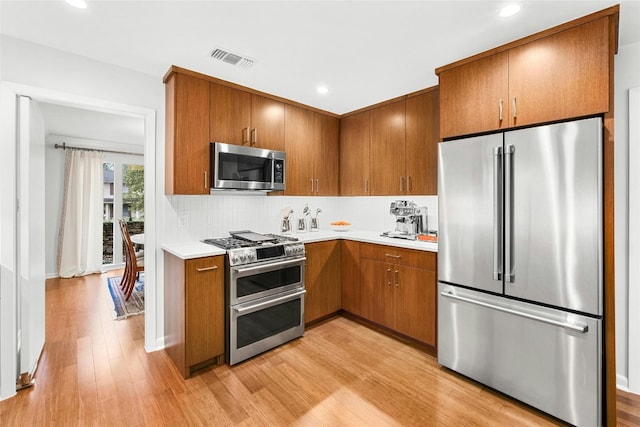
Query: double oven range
(264, 292)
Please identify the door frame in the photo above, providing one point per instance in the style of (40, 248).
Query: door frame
(8, 257)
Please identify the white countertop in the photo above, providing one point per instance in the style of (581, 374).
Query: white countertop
(189, 250)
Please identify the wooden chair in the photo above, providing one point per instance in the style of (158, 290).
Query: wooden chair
(133, 263)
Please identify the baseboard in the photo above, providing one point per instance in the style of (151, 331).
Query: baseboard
(622, 382)
(51, 276)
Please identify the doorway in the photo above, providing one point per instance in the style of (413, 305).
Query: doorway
(9, 303)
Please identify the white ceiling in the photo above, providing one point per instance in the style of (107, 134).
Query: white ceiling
(364, 51)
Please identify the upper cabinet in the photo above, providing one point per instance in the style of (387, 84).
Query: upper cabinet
(559, 74)
(391, 149)
(242, 118)
(187, 134)
(386, 156)
(311, 144)
(354, 154)
(421, 143)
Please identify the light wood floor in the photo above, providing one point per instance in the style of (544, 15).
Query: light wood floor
(94, 371)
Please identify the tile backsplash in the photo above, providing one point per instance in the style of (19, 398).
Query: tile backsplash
(200, 217)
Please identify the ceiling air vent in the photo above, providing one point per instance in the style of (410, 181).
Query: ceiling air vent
(232, 58)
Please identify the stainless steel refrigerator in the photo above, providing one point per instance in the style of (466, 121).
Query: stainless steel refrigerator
(520, 292)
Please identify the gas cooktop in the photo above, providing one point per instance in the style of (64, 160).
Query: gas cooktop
(248, 239)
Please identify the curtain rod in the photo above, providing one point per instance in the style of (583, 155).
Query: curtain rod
(64, 146)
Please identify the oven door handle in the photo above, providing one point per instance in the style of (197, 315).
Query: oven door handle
(269, 267)
(269, 303)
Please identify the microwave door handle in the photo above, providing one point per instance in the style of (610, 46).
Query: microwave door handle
(273, 170)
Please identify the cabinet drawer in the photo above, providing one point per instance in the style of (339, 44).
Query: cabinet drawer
(400, 256)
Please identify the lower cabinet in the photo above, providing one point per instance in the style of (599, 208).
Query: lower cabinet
(322, 280)
(194, 311)
(350, 276)
(398, 290)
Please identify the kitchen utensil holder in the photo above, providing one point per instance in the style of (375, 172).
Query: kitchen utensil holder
(285, 226)
(314, 225)
(302, 225)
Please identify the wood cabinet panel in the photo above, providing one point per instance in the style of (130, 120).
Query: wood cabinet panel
(326, 160)
(230, 115)
(415, 303)
(387, 153)
(376, 292)
(562, 76)
(421, 145)
(322, 280)
(187, 135)
(350, 276)
(311, 142)
(470, 96)
(300, 141)
(409, 257)
(354, 154)
(204, 309)
(267, 123)
(194, 311)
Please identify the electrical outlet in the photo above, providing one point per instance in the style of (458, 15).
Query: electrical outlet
(183, 221)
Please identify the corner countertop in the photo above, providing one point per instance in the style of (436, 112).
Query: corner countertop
(196, 249)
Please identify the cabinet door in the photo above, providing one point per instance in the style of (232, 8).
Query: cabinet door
(561, 76)
(322, 280)
(415, 303)
(421, 146)
(325, 166)
(267, 123)
(387, 149)
(230, 115)
(470, 96)
(350, 280)
(354, 154)
(376, 292)
(187, 135)
(300, 140)
(204, 309)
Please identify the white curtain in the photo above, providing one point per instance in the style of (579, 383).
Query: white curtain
(80, 238)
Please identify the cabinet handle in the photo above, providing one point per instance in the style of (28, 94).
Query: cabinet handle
(401, 183)
(366, 186)
(388, 276)
(245, 135)
(311, 185)
(317, 185)
(395, 274)
(392, 256)
(500, 109)
(515, 111)
(200, 270)
(254, 137)
(206, 180)
(408, 183)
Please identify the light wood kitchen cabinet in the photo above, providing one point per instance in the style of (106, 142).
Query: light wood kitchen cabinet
(322, 280)
(354, 154)
(242, 118)
(421, 144)
(350, 276)
(187, 134)
(562, 75)
(387, 151)
(398, 290)
(311, 143)
(194, 311)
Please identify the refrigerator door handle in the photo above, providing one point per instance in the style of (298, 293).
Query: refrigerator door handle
(497, 213)
(509, 275)
(578, 328)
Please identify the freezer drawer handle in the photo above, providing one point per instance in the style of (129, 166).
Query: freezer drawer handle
(579, 328)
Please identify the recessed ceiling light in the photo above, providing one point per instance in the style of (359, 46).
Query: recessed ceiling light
(80, 4)
(509, 10)
(322, 90)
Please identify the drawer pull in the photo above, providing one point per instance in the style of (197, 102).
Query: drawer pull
(393, 256)
(213, 267)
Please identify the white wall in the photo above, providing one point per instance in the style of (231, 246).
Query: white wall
(627, 75)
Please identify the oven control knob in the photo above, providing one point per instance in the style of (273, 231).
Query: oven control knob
(234, 260)
(251, 257)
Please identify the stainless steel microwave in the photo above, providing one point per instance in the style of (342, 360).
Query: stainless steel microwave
(236, 167)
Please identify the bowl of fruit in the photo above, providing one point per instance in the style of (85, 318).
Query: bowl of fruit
(340, 225)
